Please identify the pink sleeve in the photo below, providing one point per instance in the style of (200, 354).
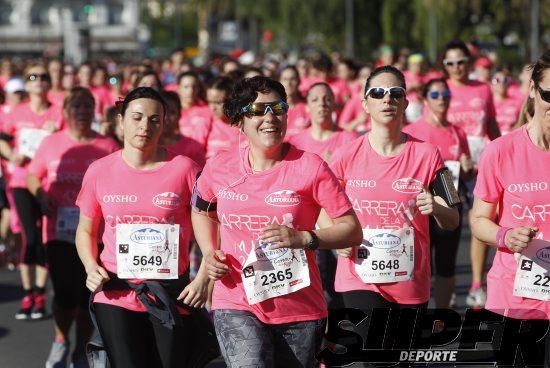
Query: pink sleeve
(436, 162)
(87, 198)
(488, 186)
(191, 176)
(328, 193)
(7, 126)
(203, 187)
(337, 164)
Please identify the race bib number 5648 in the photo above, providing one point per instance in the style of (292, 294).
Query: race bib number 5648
(386, 255)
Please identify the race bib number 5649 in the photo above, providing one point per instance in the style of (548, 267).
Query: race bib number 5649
(147, 251)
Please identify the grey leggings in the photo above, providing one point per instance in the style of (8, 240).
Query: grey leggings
(247, 342)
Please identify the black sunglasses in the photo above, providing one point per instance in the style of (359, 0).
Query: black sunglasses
(45, 77)
(544, 94)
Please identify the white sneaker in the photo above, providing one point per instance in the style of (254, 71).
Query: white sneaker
(476, 298)
(58, 355)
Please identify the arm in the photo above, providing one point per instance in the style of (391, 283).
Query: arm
(344, 231)
(445, 216)
(86, 245)
(46, 203)
(486, 230)
(205, 228)
(9, 154)
(493, 130)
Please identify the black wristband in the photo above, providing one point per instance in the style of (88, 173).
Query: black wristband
(314, 242)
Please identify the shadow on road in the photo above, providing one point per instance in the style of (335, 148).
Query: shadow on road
(9, 293)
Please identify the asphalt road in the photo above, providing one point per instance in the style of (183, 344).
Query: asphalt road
(26, 344)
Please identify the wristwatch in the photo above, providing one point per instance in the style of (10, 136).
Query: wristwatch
(314, 242)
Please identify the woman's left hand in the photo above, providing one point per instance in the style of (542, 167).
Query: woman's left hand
(196, 294)
(425, 203)
(281, 236)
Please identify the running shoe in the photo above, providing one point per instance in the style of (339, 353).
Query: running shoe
(39, 310)
(26, 307)
(476, 298)
(58, 355)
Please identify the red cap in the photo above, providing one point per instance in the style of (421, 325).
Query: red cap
(483, 62)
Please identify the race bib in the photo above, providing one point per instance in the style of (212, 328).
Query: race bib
(454, 168)
(66, 224)
(476, 146)
(532, 273)
(147, 251)
(29, 140)
(269, 273)
(386, 255)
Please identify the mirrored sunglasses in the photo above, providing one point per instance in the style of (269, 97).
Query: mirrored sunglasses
(262, 108)
(434, 95)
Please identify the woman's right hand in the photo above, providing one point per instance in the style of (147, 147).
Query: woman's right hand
(345, 252)
(97, 276)
(215, 267)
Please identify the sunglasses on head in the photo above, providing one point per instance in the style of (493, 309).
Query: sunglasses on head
(434, 95)
(34, 76)
(497, 80)
(379, 92)
(262, 108)
(448, 62)
(544, 94)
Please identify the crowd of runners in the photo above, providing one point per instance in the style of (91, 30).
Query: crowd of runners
(268, 194)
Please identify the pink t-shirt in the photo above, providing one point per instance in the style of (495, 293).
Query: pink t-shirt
(57, 97)
(471, 107)
(352, 109)
(60, 164)
(196, 122)
(113, 191)
(323, 149)
(22, 117)
(451, 140)
(297, 119)
(338, 86)
(514, 173)
(243, 210)
(507, 110)
(190, 148)
(369, 180)
(222, 137)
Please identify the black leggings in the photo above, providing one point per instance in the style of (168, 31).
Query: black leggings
(444, 245)
(33, 251)
(366, 299)
(136, 339)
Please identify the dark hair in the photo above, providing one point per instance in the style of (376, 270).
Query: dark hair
(190, 73)
(172, 98)
(457, 44)
(148, 73)
(322, 63)
(245, 92)
(141, 92)
(223, 84)
(386, 69)
(539, 66)
(428, 84)
(351, 65)
(324, 84)
(75, 93)
(293, 68)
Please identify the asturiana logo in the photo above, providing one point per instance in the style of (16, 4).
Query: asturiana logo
(385, 241)
(407, 185)
(147, 236)
(544, 254)
(283, 198)
(167, 200)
